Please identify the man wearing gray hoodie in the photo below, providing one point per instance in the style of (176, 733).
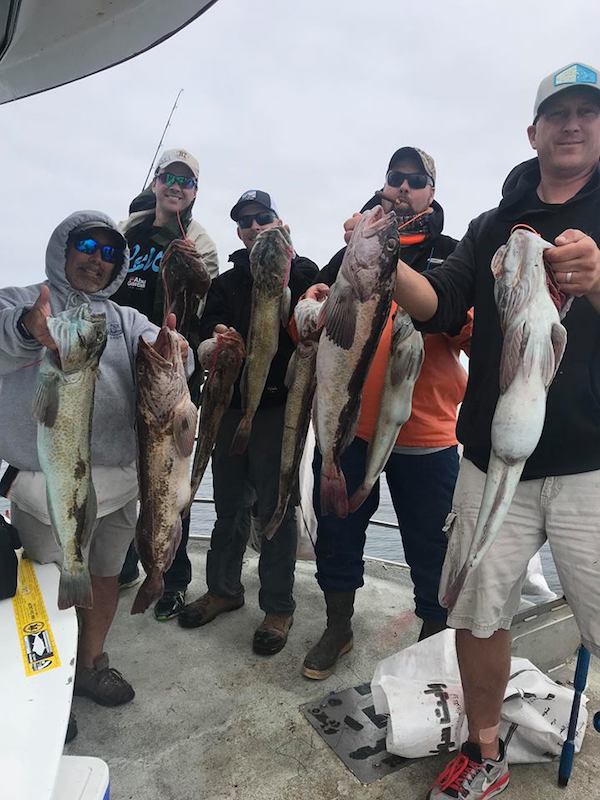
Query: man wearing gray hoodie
(86, 261)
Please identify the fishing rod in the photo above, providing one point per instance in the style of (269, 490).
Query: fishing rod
(161, 139)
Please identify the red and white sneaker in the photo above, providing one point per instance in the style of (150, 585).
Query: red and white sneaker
(469, 777)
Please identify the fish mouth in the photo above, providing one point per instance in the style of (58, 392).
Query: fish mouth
(378, 220)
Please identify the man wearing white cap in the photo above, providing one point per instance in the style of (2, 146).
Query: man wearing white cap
(558, 498)
(165, 213)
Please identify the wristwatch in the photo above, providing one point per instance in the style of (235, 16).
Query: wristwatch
(22, 328)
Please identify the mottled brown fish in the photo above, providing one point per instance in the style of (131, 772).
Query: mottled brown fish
(166, 427)
(355, 314)
(533, 346)
(404, 366)
(222, 357)
(301, 380)
(63, 405)
(186, 281)
(270, 263)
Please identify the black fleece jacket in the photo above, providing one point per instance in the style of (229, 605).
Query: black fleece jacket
(229, 301)
(570, 441)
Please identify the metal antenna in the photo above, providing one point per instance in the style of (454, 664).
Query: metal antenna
(161, 139)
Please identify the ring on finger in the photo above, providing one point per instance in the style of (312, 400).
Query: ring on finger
(568, 277)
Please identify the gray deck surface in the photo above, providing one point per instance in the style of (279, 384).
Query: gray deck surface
(212, 721)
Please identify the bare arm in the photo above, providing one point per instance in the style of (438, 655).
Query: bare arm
(414, 293)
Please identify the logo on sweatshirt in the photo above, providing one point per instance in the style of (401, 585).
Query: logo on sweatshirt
(114, 330)
(136, 283)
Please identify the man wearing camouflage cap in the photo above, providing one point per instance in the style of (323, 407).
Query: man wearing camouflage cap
(421, 470)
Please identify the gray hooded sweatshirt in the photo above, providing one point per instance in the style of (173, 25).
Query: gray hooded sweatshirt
(113, 434)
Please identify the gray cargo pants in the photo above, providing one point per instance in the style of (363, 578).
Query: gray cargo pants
(239, 483)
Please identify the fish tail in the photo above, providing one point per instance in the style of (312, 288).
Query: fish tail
(359, 497)
(273, 525)
(334, 498)
(151, 589)
(241, 437)
(500, 484)
(75, 588)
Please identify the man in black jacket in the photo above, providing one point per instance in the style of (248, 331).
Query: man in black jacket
(241, 482)
(558, 498)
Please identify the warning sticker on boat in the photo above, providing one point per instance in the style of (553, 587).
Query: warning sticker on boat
(38, 647)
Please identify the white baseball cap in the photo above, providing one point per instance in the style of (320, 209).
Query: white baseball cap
(172, 156)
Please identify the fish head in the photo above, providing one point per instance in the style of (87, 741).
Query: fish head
(227, 354)
(271, 255)
(80, 338)
(522, 254)
(375, 235)
(306, 317)
(160, 376)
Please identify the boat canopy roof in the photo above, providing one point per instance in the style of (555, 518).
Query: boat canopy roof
(44, 45)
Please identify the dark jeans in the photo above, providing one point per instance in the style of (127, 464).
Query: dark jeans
(241, 483)
(421, 487)
(179, 574)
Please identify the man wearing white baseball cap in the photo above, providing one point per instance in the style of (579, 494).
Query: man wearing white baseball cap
(558, 497)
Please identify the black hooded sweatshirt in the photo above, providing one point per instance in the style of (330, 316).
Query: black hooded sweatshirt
(570, 441)
(229, 301)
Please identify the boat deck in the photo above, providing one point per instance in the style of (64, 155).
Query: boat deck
(212, 721)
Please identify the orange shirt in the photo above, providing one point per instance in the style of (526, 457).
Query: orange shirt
(439, 389)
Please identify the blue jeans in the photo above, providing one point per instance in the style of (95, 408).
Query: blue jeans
(421, 487)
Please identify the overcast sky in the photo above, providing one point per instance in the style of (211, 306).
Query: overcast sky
(306, 100)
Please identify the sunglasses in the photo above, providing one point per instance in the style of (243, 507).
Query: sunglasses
(416, 180)
(108, 253)
(181, 180)
(264, 218)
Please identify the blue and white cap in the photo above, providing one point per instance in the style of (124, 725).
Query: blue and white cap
(566, 78)
(253, 196)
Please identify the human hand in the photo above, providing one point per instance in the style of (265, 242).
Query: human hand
(220, 329)
(35, 320)
(350, 224)
(317, 292)
(575, 262)
(184, 348)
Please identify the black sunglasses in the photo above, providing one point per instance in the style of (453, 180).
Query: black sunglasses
(108, 253)
(262, 218)
(168, 178)
(416, 180)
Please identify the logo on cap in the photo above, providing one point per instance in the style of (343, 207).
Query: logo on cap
(575, 74)
(251, 195)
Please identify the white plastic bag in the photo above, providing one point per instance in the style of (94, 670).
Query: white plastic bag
(420, 689)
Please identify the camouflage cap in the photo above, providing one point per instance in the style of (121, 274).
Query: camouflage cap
(565, 78)
(426, 160)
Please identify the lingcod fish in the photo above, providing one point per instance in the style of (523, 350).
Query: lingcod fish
(404, 366)
(301, 380)
(63, 405)
(186, 282)
(270, 264)
(166, 427)
(355, 314)
(533, 345)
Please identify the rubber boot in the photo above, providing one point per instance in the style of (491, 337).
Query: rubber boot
(336, 640)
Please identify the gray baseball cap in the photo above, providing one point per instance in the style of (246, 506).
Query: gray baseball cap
(566, 78)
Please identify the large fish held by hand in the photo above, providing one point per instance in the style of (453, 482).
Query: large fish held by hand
(404, 366)
(166, 427)
(355, 314)
(222, 356)
(534, 343)
(270, 263)
(63, 405)
(301, 380)
(186, 281)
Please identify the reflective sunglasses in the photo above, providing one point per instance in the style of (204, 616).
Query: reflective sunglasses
(416, 180)
(108, 253)
(181, 180)
(263, 218)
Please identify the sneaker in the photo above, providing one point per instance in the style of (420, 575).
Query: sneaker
(169, 605)
(127, 581)
(469, 777)
(272, 634)
(102, 684)
(206, 608)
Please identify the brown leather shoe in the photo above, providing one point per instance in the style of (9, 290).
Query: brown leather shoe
(271, 635)
(206, 608)
(102, 684)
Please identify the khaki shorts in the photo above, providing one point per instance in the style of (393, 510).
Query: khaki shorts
(565, 510)
(109, 543)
